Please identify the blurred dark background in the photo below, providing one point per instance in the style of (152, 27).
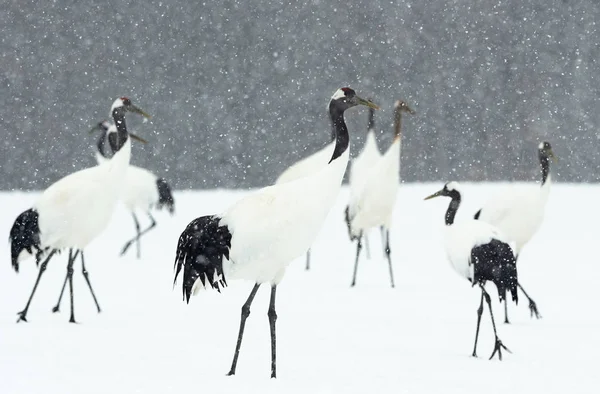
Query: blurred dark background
(238, 89)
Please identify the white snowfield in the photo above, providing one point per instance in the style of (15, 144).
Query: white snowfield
(416, 338)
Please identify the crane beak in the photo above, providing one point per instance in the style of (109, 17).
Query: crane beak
(436, 194)
(137, 110)
(138, 139)
(552, 156)
(410, 110)
(368, 103)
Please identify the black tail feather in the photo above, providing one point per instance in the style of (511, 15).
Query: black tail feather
(496, 262)
(200, 252)
(24, 235)
(476, 217)
(165, 198)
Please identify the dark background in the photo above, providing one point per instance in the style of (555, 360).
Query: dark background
(238, 89)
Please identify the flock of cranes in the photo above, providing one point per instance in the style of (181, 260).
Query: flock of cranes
(262, 233)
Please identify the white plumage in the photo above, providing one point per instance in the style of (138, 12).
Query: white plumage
(519, 211)
(142, 191)
(373, 197)
(74, 210)
(361, 165)
(307, 166)
(257, 237)
(479, 252)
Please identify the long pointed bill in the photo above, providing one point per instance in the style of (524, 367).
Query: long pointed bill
(138, 139)
(94, 129)
(552, 156)
(368, 103)
(133, 108)
(436, 194)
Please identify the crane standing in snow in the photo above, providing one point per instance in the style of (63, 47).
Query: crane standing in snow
(479, 253)
(257, 237)
(142, 191)
(519, 213)
(359, 169)
(61, 218)
(373, 203)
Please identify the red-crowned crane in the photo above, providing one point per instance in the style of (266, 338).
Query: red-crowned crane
(479, 252)
(257, 237)
(519, 213)
(75, 210)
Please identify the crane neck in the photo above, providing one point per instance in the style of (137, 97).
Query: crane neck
(545, 164)
(371, 124)
(397, 125)
(118, 139)
(339, 131)
(452, 207)
(102, 145)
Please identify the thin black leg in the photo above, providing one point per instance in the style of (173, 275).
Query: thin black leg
(71, 290)
(498, 345)
(134, 239)
(272, 319)
(57, 306)
(23, 313)
(532, 305)
(388, 253)
(358, 248)
(479, 313)
(506, 321)
(87, 279)
(245, 314)
(308, 259)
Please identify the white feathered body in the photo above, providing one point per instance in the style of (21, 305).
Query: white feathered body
(360, 168)
(460, 238)
(262, 249)
(375, 203)
(518, 212)
(77, 208)
(307, 166)
(139, 190)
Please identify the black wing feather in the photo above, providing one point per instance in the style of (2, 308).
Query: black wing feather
(496, 262)
(24, 235)
(200, 252)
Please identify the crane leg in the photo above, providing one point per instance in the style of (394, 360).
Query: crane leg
(367, 248)
(138, 234)
(87, 279)
(506, 321)
(358, 248)
(308, 259)
(272, 319)
(245, 314)
(532, 305)
(479, 313)
(388, 253)
(23, 313)
(498, 345)
(57, 306)
(71, 290)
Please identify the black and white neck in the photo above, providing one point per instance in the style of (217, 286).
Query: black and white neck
(452, 207)
(101, 144)
(371, 124)
(339, 129)
(118, 139)
(544, 155)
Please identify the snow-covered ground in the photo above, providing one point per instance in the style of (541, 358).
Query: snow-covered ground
(416, 338)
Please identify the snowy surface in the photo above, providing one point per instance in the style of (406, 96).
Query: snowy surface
(331, 339)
